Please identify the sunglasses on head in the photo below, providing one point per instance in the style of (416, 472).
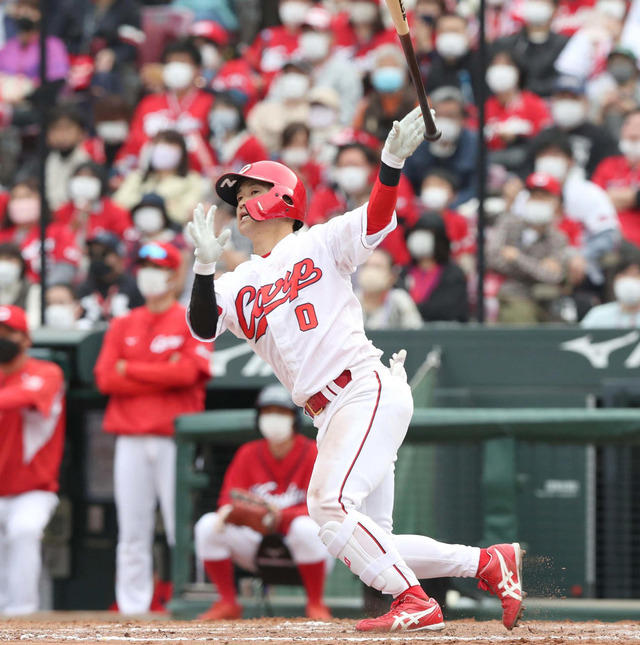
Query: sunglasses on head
(152, 252)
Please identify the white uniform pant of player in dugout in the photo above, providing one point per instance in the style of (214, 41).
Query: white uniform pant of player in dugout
(144, 474)
(240, 543)
(23, 519)
(352, 487)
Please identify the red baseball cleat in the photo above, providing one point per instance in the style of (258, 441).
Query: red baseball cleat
(318, 612)
(409, 614)
(502, 576)
(222, 611)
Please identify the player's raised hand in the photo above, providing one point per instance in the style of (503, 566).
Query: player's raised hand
(405, 136)
(208, 247)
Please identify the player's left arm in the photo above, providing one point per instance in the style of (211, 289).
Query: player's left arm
(403, 140)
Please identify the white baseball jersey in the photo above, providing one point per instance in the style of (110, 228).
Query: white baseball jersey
(296, 307)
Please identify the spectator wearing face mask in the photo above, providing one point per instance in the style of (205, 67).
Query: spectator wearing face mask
(153, 370)
(111, 116)
(616, 92)
(453, 64)
(536, 47)
(168, 175)
(426, 14)
(109, 291)
(15, 286)
(327, 69)
(455, 151)
(183, 107)
(513, 115)
(22, 227)
(324, 122)
(590, 143)
(436, 284)
(234, 144)
(619, 175)
(391, 97)
(211, 39)
(273, 47)
(528, 251)
(296, 154)
(62, 311)
(383, 306)
(90, 211)
(287, 102)
(624, 311)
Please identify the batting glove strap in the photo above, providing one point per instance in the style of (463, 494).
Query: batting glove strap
(201, 268)
(391, 159)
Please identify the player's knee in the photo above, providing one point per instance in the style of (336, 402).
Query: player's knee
(25, 527)
(323, 508)
(303, 528)
(206, 532)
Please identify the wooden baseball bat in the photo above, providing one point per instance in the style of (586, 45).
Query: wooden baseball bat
(399, 16)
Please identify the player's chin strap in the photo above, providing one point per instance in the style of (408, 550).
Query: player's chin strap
(362, 553)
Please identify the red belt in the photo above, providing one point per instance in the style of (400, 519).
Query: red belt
(317, 403)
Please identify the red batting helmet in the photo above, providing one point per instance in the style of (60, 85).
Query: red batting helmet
(287, 197)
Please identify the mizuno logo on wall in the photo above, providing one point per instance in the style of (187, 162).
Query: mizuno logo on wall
(598, 354)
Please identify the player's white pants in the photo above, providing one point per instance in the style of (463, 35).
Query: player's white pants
(144, 473)
(240, 543)
(352, 488)
(23, 519)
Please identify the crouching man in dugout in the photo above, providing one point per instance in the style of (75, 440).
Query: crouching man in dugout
(153, 370)
(32, 421)
(272, 474)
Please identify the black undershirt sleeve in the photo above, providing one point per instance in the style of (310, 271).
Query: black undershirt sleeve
(203, 309)
(389, 176)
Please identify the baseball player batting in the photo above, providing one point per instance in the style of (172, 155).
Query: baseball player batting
(294, 304)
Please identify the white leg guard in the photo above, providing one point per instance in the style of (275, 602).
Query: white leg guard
(368, 552)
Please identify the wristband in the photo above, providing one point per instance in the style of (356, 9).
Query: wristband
(391, 159)
(204, 269)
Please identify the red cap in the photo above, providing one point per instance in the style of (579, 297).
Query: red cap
(162, 254)
(210, 30)
(544, 181)
(14, 317)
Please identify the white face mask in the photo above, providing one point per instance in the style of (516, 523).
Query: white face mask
(84, 189)
(60, 316)
(112, 132)
(9, 273)
(314, 45)
(451, 44)
(446, 145)
(148, 220)
(538, 213)
(557, 167)
(352, 179)
(615, 9)
(165, 156)
(568, 113)
(292, 13)
(502, 78)
(630, 149)
(177, 75)
(362, 13)
(152, 282)
(293, 86)
(537, 13)
(275, 427)
(295, 156)
(373, 279)
(223, 120)
(320, 117)
(421, 244)
(211, 58)
(434, 198)
(627, 290)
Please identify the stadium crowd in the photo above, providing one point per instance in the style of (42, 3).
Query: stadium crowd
(148, 103)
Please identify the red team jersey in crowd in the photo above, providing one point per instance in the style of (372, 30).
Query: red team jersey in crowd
(527, 107)
(109, 217)
(238, 76)
(270, 50)
(60, 243)
(281, 482)
(617, 172)
(188, 115)
(154, 389)
(32, 417)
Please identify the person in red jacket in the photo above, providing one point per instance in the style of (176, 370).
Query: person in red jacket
(183, 107)
(278, 469)
(153, 370)
(32, 415)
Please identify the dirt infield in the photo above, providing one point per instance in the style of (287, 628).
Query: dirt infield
(283, 631)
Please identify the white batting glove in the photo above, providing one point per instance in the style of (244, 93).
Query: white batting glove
(404, 138)
(208, 248)
(396, 364)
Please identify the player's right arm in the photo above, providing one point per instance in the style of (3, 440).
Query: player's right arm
(203, 311)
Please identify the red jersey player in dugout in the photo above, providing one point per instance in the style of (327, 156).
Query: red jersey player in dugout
(294, 304)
